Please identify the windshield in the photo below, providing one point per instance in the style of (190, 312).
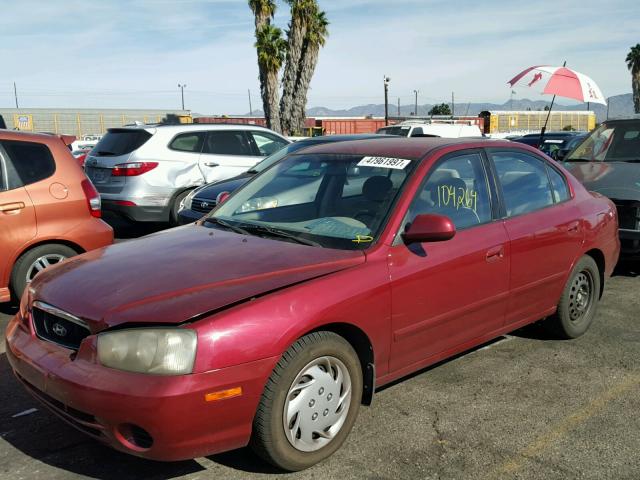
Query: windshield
(397, 130)
(610, 142)
(335, 201)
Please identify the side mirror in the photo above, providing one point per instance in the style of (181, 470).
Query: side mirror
(429, 228)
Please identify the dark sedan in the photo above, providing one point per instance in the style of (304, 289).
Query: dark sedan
(203, 199)
(552, 141)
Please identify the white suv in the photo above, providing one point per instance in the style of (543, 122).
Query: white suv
(143, 172)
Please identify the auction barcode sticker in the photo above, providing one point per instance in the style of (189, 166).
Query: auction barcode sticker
(384, 162)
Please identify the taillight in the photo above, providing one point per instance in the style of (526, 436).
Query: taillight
(93, 198)
(132, 169)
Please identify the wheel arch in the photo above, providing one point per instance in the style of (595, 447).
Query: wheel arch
(598, 257)
(361, 343)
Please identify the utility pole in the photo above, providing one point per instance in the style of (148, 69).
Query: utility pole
(588, 106)
(453, 107)
(416, 103)
(398, 106)
(386, 81)
(182, 87)
(15, 93)
(250, 109)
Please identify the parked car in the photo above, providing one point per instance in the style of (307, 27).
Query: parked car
(560, 153)
(144, 172)
(608, 162)
(552, 141)
(202, 200)
(271, 325)
(81, 155)
(49, 210)
(415, 128)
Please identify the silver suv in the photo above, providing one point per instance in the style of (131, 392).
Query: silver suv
(143, 172)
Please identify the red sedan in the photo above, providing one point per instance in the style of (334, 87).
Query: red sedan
(339, 269)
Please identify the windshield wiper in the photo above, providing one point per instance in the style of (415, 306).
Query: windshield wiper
(105, 153)
(279, 233)
(224, 224)
(577, 160)
(252, 171)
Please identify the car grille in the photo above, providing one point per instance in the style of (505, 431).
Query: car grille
(54, 325)
(628, 215)
(202, 205)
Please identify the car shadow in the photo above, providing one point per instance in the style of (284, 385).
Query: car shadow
(42, 436)
(124, 229)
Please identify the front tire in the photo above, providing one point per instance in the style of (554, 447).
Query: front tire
(579, 301)
(175, 207)
(309, 403)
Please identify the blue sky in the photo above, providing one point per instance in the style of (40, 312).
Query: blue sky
(133, 53)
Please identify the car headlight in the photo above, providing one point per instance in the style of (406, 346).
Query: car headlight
(259, 203)
(158, 351)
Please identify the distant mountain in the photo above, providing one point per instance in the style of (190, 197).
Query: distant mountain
(619, 106)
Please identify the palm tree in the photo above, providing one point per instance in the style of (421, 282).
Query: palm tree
(633, 63)
(263, 10)
(302, 12)
(271, 50)
(314, 40)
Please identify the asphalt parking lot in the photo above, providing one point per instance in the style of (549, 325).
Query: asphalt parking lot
(525, 407)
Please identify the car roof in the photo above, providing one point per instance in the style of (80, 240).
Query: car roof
(400, 147)
(28, 136)
(188, 126)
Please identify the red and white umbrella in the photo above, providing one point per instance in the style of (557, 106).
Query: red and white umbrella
(561, 81)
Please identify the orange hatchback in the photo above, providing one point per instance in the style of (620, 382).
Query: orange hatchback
(49, 210)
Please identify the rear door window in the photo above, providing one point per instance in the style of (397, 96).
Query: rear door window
(227, 142)
(524, 181)
(121, 142)
(26, 163)
(267, 143)
(188, 142)
(457, 188)
(558, 185)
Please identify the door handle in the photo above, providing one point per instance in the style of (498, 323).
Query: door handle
(211, 164)
(11, 207)
(496, 253)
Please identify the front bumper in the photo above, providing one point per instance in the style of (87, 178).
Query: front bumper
(630, 241)
(155, 417)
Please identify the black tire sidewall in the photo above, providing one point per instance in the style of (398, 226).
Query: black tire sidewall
(279, 451)
(565, 326)
(24, 262)
(175, 205)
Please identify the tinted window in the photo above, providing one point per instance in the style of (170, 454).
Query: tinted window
(524, 181)
(457, 188)
(227, 143)
(401, 131)
(188, 142)
(121, 142)
(558, 185)
(610, 142)
(417, 131)
(267, 143)
(27, 163)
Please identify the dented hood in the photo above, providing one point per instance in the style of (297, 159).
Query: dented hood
(176, 275)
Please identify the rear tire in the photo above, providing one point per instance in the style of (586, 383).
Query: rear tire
(33, 261)
(579, 301)
(309, 403)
